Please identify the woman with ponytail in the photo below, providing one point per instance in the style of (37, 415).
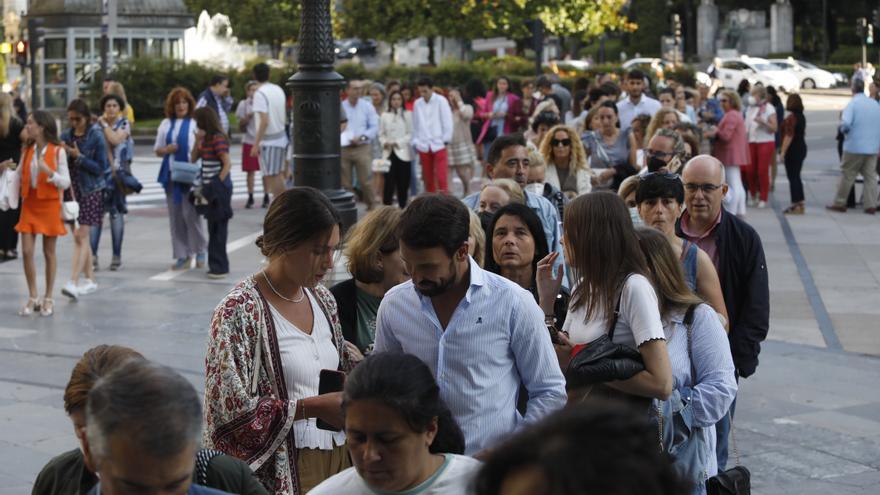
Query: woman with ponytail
(401, 435)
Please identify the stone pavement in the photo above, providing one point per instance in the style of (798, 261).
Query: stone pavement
(807, 422)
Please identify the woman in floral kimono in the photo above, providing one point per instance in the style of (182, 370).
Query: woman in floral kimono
(270, 338)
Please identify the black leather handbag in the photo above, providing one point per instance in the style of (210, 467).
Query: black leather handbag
(734, 481)
(602, 360)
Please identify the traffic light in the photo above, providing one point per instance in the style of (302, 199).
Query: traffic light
(21, 52)
(870, 38)
(676, 25)
(861, 28)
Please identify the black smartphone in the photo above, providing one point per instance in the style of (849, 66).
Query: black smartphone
(329, 381)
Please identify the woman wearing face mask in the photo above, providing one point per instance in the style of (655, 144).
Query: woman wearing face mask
(516, 244)
(660, 200)
(270, 338)
(498, 193)
(538, 185)
(761, 124)
(609, 149)
(402, 436)
(566, 162)
(374, 261)
(627, 193)
(731, 148)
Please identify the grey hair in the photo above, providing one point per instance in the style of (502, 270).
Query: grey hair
(677, 142)
(152, 406)
(858, 85)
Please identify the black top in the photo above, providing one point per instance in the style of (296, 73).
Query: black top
(345, 293)
(66, 474)
(10, 146)
(742, 269)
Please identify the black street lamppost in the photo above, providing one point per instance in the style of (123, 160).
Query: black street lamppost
(316, 107)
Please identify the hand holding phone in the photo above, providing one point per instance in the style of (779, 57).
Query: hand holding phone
(330, 381)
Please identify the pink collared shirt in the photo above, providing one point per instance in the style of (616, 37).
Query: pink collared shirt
(706, 240)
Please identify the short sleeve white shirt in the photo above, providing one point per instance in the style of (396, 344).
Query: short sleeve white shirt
(638, 322)
(454, 477)
(758, 133)
(269, 99)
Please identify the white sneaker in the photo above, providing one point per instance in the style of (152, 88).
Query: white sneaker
(70, 290)
(762, 204)
(87, 287)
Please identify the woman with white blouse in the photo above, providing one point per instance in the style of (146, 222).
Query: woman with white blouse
(613, 295)
(271, 338)
(395, 135)
(175, 139)
(761, 124)
(43, 175)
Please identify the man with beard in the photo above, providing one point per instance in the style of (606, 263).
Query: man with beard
(481, 334)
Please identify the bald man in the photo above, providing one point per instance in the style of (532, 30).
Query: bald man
(736, 251)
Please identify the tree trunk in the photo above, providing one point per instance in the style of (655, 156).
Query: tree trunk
(432, 56)
(393, 52)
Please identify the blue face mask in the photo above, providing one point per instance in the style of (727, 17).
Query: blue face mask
(634, 215)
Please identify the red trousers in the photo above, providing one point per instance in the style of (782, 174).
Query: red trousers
(757, 173)
(435, 168)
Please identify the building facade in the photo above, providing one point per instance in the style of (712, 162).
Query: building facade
(71, 56)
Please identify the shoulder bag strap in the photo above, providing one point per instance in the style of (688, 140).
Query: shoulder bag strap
(689, 323)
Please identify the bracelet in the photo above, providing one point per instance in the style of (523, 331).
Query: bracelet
(303, 409)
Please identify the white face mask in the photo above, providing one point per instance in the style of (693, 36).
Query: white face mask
(536, 188)
(752, 100)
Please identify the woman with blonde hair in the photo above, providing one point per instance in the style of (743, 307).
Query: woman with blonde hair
(498, 193)
(116, 88)
(566, 160)
(44, 175)
(10, 150)
(665, 118)
(477, 239)
(373, 259)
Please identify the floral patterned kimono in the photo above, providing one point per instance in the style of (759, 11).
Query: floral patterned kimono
(247, 410)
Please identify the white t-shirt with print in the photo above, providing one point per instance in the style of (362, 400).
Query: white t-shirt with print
(453, 478)
(638, 322)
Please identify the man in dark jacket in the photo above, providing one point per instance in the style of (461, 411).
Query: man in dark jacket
(736, 251)
(216, 96)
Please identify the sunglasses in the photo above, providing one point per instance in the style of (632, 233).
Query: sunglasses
(560, 142)
(658, 154)
(662, 175)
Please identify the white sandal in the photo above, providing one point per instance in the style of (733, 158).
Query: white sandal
(47, 308)
(29, 308)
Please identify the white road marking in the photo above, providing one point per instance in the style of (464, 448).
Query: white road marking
(230, 247)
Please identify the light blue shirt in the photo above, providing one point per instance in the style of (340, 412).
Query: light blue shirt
(859, 125)
(362, 119)
(495, 340)
(715, 388)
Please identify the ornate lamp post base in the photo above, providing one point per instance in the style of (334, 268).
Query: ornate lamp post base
(316, 107)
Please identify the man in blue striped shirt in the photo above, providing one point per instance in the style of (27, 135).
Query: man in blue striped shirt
(481, 334)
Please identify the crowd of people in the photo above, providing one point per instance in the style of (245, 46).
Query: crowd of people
(598, 287)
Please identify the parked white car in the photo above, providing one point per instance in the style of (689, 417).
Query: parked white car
(730, 71)
(810, 76)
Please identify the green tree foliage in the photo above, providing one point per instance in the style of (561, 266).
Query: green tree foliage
(271, 22)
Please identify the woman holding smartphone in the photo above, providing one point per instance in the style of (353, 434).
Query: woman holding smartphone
(270, 340)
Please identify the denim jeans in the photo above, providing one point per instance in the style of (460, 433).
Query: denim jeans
(117, 229)
(722, 432)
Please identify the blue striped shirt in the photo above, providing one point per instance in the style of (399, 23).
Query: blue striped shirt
(495, 340)
(711, 397)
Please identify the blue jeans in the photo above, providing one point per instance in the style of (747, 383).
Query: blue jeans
(117, 229)
(722, 432)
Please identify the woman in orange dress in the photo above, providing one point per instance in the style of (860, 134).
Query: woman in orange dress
(44, 175)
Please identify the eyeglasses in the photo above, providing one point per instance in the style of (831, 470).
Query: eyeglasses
(723, 100)
(560, 142)
(658, 154)
(706, 188)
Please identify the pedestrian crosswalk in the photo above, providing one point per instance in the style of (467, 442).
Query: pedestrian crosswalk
(146, 169)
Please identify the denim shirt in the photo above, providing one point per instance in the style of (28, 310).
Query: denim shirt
(92, 160)
(859, 125)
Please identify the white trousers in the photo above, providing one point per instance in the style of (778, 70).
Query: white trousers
(735, 200)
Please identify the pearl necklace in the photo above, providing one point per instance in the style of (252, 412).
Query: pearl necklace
(299, 300)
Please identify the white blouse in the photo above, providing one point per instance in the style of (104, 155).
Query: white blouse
(638, 322)
(303, 356)
(759, 133)
(163, 131)
(397, 130)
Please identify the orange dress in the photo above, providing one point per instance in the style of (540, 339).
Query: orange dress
(40, 206)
